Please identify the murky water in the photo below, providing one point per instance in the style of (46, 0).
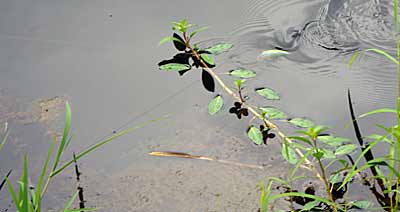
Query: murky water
(102, 55)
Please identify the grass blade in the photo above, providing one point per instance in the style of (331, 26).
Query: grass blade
(387, 55)
(98, 145)
(396, 14)
(13, 194)
(382, 110)
(39, 194)
(71, 201)
(3, 142)
(299, 194)
(24, 186)
(65, 134)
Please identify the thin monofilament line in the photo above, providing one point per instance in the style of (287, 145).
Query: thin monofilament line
(151, 109)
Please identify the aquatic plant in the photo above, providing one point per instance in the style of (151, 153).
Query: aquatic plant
(29, 196)
(312, 148)
(308, 150)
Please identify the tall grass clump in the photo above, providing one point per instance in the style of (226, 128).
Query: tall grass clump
(28, 197)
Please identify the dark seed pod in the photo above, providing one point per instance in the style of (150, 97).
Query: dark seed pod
(179, 45)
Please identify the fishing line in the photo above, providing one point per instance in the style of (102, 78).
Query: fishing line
(165, 100)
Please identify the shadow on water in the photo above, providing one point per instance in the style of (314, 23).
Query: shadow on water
(103, 55)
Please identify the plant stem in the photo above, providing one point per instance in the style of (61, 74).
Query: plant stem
(270, 125)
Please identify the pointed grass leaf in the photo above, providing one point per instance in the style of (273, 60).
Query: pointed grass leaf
(215, 105)
(175, 67)
(3, 142)
(102, 143)
(208, 59)
(219, 48)
(332, 140)
(289, 154)
(243, 73)
(346, 149)
(268, 93)
(382, 110)
(208, 81)
(302, 122)
(255, 135)
(273, 113)
(179, 43)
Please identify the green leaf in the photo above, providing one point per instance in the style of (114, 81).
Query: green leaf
(273, 113)
(167, 39)
(215, 105)
(301, 122)
(387, 55)
(219, 48)
(310, 205)
(197, 31)
(273, 53)
(239, 83)
(255, 135)
(67, 128)
(175, 67)
(382, 110)
(336, 178)
(328, 154)
(289, 154)
(243, 73)
(318, 154)
(208, 59)
(268, 93)
(346, 149)
(363, 204)
(333, 141)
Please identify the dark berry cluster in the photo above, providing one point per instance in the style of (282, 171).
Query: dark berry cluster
(238, 110)
(266, 134)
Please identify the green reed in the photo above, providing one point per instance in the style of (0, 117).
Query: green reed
(28, 197)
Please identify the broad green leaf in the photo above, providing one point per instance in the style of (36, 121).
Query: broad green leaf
(363, 204)
(382, 110)
(243, 73)
(273, 53)
(301, 122)
(289, 154)
(328, 154)
(208, 59)
(219, 48)
(268, 93)
(175, 67)
(273, 113)
(215, 105)
(167, 39)
(332, 140)
(255, 135)
(346, 149)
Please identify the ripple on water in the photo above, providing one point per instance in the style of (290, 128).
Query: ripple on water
(322, 36)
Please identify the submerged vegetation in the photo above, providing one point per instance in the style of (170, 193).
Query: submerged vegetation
(314, 150)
